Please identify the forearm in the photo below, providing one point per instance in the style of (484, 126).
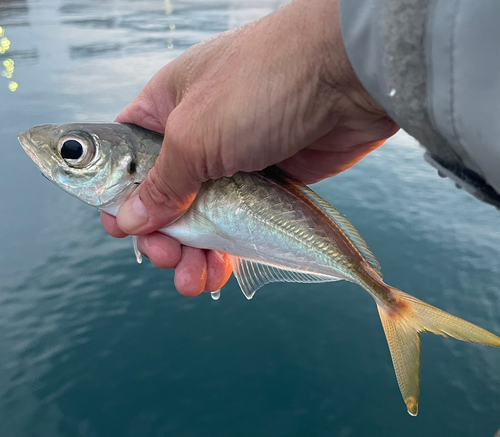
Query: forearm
(434, 67)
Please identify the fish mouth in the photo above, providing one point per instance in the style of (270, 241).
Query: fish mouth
(25, 140)
(28, 146)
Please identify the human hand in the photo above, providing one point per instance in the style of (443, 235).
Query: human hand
(278, 91)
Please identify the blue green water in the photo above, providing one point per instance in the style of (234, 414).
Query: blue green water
(92, 344)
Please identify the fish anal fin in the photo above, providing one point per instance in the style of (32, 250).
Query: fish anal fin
(252, 275)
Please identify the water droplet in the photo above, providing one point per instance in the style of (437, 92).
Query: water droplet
(392, 93)
(172, 27)
(215, 295)
(138, 255)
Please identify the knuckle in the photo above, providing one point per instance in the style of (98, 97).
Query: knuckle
(164, 262)
(204, 145)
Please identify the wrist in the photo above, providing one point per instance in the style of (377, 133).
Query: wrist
(337, 79)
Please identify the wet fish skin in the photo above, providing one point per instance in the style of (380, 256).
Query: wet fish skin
(270, 224)
(273, 227)
(104, 181)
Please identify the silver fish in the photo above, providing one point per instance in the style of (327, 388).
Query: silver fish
(273, 228)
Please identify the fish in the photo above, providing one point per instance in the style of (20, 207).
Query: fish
(273, 228)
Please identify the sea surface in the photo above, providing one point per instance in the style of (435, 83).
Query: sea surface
(93, 344)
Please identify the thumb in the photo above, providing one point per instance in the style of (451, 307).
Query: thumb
(167, 192)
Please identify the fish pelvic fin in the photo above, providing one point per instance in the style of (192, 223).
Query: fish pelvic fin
(403, 320)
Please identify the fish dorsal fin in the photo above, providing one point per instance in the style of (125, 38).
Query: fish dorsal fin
(347, 227)
(341, 221)
(252, 275)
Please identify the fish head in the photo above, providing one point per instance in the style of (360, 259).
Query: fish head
(99, 163)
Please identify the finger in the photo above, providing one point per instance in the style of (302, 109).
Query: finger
(342, 138)
(338, 150)
(141, 112)
(162, 251)
(218, 270)
(154, 104)
(312, 166)
(111, 227)
(169, 188)
(191, 272)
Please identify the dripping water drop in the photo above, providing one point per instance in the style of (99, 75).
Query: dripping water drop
(138, 255)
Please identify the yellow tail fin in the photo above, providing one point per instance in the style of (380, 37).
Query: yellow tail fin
(402, 323)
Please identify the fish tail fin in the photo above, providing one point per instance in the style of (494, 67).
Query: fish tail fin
(403, 319)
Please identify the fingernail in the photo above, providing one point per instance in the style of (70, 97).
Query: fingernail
(132, 215)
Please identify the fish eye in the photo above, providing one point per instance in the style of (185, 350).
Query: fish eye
(77, 150)
(71, 149)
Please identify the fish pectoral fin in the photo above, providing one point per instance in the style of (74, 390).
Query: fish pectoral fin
(252, 275)
(206, 225)
(403, 321)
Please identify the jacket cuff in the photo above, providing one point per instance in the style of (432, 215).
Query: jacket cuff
(432, 65)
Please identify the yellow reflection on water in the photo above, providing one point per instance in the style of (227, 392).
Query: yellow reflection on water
(9, 68)
(4, 44)
(7, 63)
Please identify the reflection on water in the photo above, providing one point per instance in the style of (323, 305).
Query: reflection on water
(9, 68)
(93, 344)
(4, 44)
(12, 14)
(7, 63)
(98, 49)
(147, 26)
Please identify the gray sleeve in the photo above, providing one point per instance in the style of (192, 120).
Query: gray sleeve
(434, 65)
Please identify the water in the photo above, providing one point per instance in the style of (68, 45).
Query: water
(93, 344)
